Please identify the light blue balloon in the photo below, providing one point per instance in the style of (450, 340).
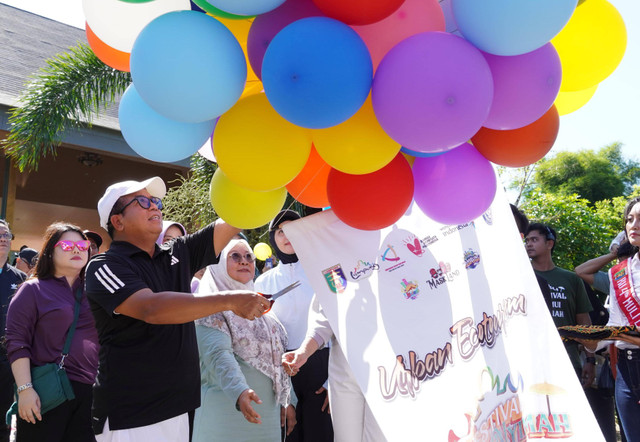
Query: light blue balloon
(246, 7)
(317, 72)
(511, 27)
(188, 66)
(156, 137)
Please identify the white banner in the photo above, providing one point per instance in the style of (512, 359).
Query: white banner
(445, 328)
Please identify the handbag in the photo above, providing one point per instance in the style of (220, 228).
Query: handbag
(605, 377)
(50, 381)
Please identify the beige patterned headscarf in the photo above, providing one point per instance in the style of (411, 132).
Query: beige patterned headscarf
(261, 342)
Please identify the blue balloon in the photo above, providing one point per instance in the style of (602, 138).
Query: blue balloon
(156, 137)
(188, 66)
(317, 72)
(511, 27)
(418, 154)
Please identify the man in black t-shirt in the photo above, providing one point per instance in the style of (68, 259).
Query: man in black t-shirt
(149, 376)
(10, 279)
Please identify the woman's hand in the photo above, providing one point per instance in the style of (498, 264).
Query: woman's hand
(325, 404)
(292, 361)
(244, 404)
(288, 415)
(29, 405)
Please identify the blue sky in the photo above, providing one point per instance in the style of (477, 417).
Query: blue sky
(613, 114)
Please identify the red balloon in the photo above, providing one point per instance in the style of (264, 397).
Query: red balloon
(110, 56)
(374, 200)
(310, 185)
(358, 12)
(519, 147)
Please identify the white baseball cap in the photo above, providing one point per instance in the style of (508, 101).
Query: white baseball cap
(155, 186)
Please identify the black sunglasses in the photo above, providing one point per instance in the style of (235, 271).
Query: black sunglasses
(144, 202)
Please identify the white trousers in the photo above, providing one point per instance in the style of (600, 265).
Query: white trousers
(175, 429)
(351, 416)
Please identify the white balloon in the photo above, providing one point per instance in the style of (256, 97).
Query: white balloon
(117, 23)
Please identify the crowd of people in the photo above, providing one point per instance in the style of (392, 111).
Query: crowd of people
(167, 336)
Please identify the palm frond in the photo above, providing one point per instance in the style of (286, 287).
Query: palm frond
(73, 87)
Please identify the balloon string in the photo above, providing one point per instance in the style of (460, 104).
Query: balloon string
(301, 192)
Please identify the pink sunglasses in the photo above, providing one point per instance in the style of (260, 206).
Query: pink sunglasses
(68, 246)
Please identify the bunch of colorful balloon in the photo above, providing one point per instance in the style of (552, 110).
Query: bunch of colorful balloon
(359, 105)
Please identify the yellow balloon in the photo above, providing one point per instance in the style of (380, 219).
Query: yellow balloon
(357, 146)
(257, 148)
(571, 101)
(591, 45)
(242, 208)
(262, 251)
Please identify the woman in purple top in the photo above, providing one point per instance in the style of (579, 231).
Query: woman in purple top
(38, 320)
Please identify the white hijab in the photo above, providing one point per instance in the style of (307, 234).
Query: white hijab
(261, 342)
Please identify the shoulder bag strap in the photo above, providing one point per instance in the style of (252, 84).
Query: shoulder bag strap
(72, 329)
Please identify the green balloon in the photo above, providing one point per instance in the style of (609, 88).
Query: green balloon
(208, 7)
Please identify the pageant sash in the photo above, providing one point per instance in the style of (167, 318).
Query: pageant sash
(625, 292)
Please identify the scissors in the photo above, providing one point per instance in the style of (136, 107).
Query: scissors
(277, 294)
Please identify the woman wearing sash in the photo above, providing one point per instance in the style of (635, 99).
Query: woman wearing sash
(624, 310)
(38, 322)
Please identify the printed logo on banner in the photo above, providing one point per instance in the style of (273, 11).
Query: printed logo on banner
(364, 269)
(488, 217)
(391, 256)
(471, 259)
(428, 240)
(448, 230)
(410, 289)
(335, 278)
(414, 245)
(441, 275)
(506, 421)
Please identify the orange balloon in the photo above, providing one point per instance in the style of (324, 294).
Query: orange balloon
(519, 147)
(111, 57)
(310, 186)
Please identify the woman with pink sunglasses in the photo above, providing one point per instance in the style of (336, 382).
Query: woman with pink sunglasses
(38, 321)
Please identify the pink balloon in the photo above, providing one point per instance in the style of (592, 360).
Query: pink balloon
(524, 87)
(432, 92)
(207, 148)
(413, 17)
(266, 26)
(455, 187)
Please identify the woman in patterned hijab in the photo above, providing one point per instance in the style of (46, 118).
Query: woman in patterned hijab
(243, 381)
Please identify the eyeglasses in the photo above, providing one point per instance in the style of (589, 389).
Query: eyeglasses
(8, 236)
(144, 202)
(68, 246)
(237, 257)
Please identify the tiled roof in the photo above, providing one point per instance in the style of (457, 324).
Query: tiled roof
(26, 42)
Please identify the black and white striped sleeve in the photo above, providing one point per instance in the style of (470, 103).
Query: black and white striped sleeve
(109, 283)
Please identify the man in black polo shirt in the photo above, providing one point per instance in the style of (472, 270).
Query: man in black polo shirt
(149, 374)
(10, 279)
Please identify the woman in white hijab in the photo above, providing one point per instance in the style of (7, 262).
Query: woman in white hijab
(243, 381)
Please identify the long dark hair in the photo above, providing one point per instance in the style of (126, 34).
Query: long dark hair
(632, 202)
(44, 267)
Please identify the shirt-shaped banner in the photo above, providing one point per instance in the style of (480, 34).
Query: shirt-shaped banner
(445, 328)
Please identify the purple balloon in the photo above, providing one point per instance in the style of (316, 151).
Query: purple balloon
(266, 26)
(432, 92)
(524, 87)
(455, 187)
